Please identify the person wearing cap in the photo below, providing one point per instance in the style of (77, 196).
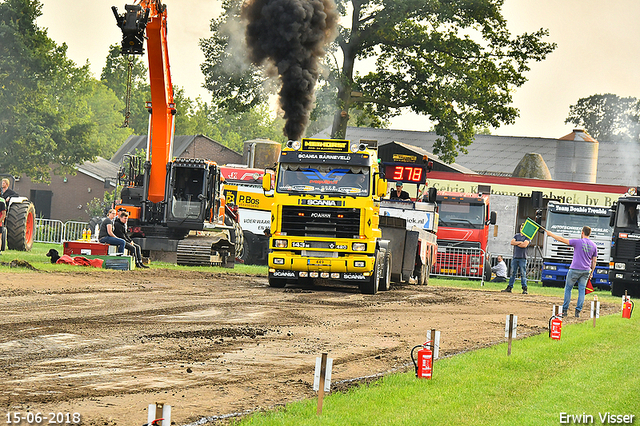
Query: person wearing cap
(398, 193)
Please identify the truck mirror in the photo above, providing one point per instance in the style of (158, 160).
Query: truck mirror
(266, 182)
(612, 217)
(492, 218)
(433, 194)
(381, 188)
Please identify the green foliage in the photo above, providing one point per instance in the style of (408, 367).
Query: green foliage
(607, 117)
(41, 117)
(100, 207)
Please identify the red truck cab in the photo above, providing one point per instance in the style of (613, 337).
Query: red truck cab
(463, 233)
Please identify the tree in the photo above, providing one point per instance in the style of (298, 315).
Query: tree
(607, 117)
(453, 61)
(40, 123)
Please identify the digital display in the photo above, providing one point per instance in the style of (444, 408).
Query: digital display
(410, 173)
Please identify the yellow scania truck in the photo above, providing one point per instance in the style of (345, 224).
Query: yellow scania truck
(325, 215)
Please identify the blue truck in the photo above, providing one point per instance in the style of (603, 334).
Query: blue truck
(567, 220)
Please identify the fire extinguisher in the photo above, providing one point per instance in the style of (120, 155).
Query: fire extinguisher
(627, 309)
(424, 365)
(555, 327)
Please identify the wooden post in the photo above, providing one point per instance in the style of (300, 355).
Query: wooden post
(594, 309)
(510, 333)
(432, 345)
(323, 371)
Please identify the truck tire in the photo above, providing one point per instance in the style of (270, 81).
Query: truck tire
(248, 253)
(487, 270)
(370, 286)
(20, 223)
(423, 274)
(617, 289)
(385, 276)
(277, 282)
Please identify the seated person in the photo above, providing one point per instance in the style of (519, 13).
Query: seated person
(106, 235)
(500, 270)
(120, 229)
(398, 193)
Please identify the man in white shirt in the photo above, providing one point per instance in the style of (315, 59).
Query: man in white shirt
(500, 270)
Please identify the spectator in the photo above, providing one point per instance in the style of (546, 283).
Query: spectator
(3, 213)
(120, 230)
(6, 191)
(500, 270)
(519, 261)
(398, 193)
(106, 235)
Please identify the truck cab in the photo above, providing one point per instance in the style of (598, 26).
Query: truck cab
(624, 265)
(463, 233)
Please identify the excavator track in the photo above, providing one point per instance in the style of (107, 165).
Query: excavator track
(213, 249)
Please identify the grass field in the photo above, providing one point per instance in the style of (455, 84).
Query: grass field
(589, 372)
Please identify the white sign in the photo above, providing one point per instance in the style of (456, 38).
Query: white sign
(595, 306)
(327, 375)
(86, 252)
(436, 343)
(515, 325)
(255, 221)
(417, 218)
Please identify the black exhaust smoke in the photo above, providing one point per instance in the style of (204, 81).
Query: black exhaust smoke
(291, 35)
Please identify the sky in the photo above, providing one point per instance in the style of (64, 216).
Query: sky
(598, 52)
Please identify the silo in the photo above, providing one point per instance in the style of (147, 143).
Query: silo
(577, 158)
(261, 153)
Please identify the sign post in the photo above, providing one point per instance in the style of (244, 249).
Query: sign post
(322, 378)
(595, 309)
(510, 330)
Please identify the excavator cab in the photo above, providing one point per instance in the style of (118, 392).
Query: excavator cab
(133, 24)
(191, 187)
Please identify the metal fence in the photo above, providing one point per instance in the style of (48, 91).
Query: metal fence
(460, 262)
(534, 267)
(56, 232)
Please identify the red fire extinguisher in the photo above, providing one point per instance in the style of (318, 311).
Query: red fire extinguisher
(627, 309)
(555, 327)
(424, 366)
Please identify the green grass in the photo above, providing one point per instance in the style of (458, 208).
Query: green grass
(590, 370)
(38, 259)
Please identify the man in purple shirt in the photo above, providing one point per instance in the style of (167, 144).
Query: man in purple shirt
(585, 256)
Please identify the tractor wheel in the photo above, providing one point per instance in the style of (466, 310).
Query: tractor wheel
(3, 239)
(94, 225)
(20, 223)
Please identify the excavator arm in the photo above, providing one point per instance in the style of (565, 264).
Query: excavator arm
(150, 16)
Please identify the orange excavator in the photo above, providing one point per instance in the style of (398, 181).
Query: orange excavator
(176, 207)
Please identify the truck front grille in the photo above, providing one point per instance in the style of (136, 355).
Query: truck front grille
(627, 249)
(325, 222)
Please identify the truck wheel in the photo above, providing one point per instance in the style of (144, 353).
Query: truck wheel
(385, 277)
(617, 289)
(423, 275)
(370, 286)
(277, 282)
(248, 248)
(20, 223)
(487, 270)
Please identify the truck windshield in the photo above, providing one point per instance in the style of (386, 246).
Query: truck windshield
(324, 179)
(570, 223)
(627, 216)
(461, 215)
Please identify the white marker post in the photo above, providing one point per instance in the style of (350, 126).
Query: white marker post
(159, 411)
(322, 378)
(595, 309)
(510, 330)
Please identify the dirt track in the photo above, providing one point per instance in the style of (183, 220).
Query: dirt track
(107, 344)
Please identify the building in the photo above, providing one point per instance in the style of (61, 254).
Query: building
(192, 146)
(67, 196)
(617, 163)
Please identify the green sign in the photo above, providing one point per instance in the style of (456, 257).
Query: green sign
(529, 228)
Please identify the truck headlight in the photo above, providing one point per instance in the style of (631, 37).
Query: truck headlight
(280, 243)
(601, 271)
(620, 266)
(551, 267)
(359, 246)
(354, 147)
(278, 261)
(475, 261)
(619, 276)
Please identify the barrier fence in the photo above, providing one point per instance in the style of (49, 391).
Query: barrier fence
(461, 262)
(55, 232)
